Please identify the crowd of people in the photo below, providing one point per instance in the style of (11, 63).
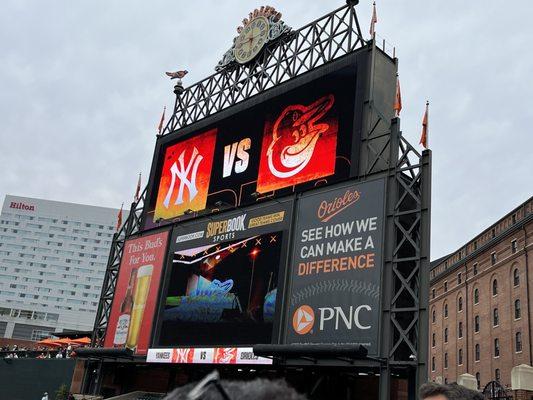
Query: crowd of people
(38, 352)
(211, 387)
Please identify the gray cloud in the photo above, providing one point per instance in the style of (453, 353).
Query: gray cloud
(82, 89)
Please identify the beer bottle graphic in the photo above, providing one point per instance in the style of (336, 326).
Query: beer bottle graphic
(140, 295)
(123, 323)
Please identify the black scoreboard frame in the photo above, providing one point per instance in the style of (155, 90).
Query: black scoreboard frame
(382, 153)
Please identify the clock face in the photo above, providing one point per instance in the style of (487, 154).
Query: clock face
(251, 40)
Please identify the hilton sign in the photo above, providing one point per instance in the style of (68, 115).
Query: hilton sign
(21, 206)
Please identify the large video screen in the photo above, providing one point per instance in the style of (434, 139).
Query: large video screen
(289, 142)
(222, 285)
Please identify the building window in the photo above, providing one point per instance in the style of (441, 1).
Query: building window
(475, 246)
(433, 340)
(513, 246)
(516, 277)
(476, 296)
(476, 323)
(459, 278)
(445, 360)
(517, 309)
(497, 374)
(513, 219)
(475, 268)
(460, 333)
(445, 335)
(492, 258)
(433, 364)
(493, 232)
(445, 310)
(518, 342)
(460, 304)
(495, 317)
(477, 353)
(433, 317)
(494, 287)
(445, 286)
(478, 379)
(38, 334)
(460, 357)
(496, 348)
(433, 293)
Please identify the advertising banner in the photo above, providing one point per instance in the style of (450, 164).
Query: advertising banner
(222, 286)
(334, 294)
(135, 300)
(206, 355)
(285, 144)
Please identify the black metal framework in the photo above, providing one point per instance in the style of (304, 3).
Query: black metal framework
(406, 271)
(323, 40)
(317, 43)
(131, 226)
(383, 152)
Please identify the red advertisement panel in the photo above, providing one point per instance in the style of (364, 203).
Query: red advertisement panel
(298, 146)
(185, 176)
(135, 301)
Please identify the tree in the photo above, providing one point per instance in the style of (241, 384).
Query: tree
(62, 392)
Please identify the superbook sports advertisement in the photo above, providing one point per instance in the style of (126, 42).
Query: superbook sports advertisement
(287, 143)
(223, 281)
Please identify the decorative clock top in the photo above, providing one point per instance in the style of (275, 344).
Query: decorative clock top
(251, 40)
(262, 26)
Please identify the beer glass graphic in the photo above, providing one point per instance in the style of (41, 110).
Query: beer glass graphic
(140, 295)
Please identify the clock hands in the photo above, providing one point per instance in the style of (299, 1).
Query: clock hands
(251, 39)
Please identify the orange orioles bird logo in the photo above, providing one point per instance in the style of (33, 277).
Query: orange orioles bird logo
(295, 135)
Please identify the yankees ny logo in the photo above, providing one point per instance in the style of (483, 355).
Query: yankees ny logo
(182, 356)
(186, 175)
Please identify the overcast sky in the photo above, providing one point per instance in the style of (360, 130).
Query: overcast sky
(82, 88)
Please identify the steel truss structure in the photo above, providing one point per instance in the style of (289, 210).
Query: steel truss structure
(323, 40)
(384, 152)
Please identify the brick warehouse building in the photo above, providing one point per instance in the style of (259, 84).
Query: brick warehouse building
(481, 295)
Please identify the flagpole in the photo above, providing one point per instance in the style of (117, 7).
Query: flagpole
(427, 125)
(137, 189)
(161, 122)
(397, 97)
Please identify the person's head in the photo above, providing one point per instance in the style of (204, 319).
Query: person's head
(257, 389)
(435, 391)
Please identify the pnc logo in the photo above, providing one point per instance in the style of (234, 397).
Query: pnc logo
(331, 318)
(303, 319)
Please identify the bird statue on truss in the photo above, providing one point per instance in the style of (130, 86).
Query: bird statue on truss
(177, 74)
(178, 88)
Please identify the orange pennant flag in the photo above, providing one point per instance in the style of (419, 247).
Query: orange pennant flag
(425, 128)
(373, 21)
(138, 190)
(162, 121)
(398, 100)
(119, 217)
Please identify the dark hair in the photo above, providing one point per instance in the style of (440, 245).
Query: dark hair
(257, 389)
(452, 391)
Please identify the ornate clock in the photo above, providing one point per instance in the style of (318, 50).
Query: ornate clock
(251, 40)
(263, 26)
